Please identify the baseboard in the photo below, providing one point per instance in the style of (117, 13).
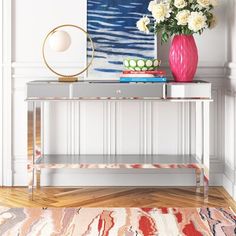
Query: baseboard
(7, 178)
(229, 186)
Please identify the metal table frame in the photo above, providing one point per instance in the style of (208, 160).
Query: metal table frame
(35, 139)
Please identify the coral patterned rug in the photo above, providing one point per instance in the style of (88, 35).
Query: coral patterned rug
(117, 221)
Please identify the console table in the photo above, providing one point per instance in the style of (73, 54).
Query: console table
(198, 92)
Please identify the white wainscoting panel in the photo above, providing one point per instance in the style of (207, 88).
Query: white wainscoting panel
(56, 128)
(230, 140)
(229, 129)
(128, 125)
(166, 121)
(6, 93)
(1, 100)
(92, 128)
(19, 123)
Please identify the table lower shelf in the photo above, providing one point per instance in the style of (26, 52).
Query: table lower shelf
(118, 161)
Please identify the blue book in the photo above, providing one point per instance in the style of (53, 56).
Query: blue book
(143, 79)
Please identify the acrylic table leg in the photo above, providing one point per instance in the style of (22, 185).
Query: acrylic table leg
(206, 183)
(206, 152)
(198, 130)
(198, 180)
(38, 141)
(38, 177)
(30, 180)
(31, 146)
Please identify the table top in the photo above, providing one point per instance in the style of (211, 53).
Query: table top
(113, 81)
(113, 89)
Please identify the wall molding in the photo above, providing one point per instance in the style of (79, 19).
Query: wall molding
(6, 93)
(206, 70)
(36, 64)
(229, 180)
(231, 70)
(1, 91)
(38, 70)
(73, 64)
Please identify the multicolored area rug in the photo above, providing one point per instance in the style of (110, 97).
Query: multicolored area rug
(117, 221)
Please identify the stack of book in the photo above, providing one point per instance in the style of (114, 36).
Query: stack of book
(143, 76)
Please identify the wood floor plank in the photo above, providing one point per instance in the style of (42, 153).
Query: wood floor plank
(115, 197)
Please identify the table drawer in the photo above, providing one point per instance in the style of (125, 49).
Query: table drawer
(49, 90)
(118, 90)
(188, 90)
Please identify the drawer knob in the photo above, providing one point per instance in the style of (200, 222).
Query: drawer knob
(118, 91)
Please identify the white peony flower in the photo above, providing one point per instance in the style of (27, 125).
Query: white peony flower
(151, 4)
(180, 3)
(166, 1)
(204, 3)
(142, 24)
(197, 21)
(161, 11)
(182, 17)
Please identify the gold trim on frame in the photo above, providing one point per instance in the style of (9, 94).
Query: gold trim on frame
(64, 77)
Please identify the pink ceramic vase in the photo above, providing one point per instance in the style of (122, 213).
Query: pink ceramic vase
(183, 58)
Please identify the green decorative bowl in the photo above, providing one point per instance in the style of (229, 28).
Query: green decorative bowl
(141, 64)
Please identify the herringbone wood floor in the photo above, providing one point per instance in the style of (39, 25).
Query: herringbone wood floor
(115, 197)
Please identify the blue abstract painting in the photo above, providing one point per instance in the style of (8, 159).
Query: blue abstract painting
(112, 26)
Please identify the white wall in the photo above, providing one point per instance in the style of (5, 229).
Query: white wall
(124, 127)
(229, 177)
(5, 98)
(1, 88)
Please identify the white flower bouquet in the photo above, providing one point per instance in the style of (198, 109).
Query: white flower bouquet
(176, 17)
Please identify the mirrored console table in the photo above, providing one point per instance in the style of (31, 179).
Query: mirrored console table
(38, 92)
